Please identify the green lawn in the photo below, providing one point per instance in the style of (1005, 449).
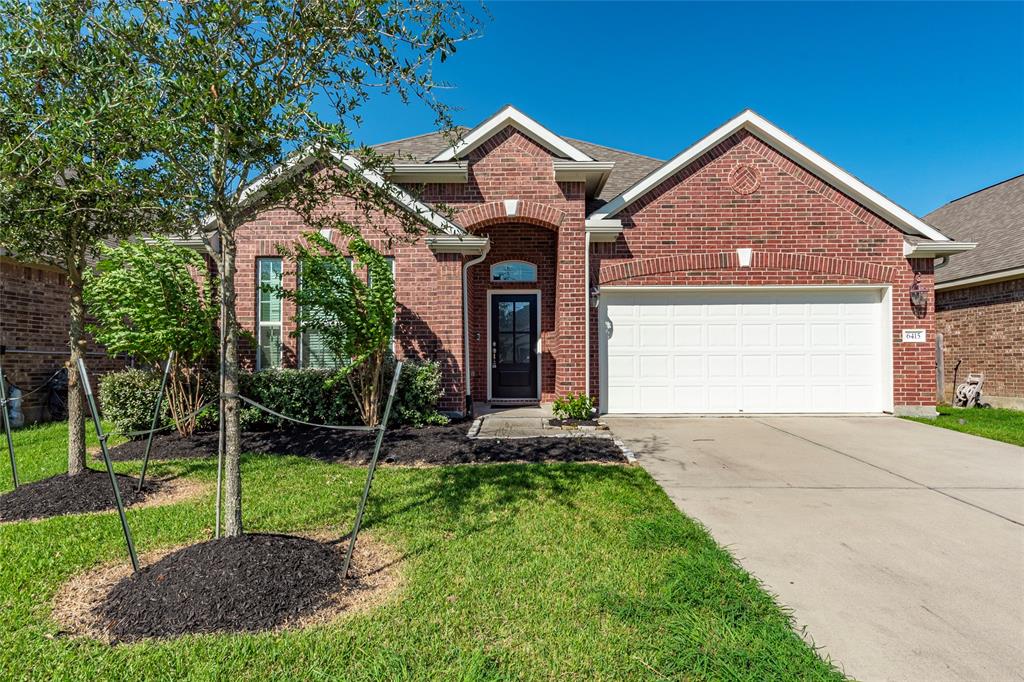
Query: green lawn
(567, 572)
(997, 424)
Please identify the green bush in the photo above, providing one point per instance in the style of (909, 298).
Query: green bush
(318, 396)
(127, 397)
(323, 396)
(573, 406)
(419, 390)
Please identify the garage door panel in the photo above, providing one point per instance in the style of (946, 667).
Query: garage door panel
(743, 351)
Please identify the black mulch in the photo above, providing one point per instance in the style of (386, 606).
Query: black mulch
(402, 445)
(241, 584)
(62, 494)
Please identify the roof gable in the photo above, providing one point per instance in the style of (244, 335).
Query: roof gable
(788, 146)
(510, 116)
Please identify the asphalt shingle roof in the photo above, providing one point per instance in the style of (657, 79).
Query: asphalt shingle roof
(629, 168)
(993, 217)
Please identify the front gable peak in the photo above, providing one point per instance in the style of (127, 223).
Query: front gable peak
(506, 117)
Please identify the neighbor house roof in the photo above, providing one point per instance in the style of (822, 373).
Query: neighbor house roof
(993, 217)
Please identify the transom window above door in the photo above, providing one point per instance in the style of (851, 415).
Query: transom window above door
(513, 271)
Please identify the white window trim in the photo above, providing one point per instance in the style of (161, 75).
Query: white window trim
(260, 323)
(514, 281)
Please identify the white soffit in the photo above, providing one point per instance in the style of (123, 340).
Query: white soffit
(793, 149)
(510, 116)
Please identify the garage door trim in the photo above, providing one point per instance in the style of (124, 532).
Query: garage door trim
(885, 324)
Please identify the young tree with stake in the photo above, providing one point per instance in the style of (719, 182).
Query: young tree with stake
(73, 171)
(269, 89)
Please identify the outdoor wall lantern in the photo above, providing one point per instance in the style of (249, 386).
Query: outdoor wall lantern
(595, 296)
(918, 293)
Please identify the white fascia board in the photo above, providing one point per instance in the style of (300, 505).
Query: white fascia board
(453, 172)
(936, 249)
(526, 125)
(604, 233)
(603, 222)
(987, 278)
(793, 149)
(467, 245)
(594, 173)
(401, 197)
(300, 160)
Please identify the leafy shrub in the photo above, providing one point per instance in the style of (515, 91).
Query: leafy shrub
(419, 390)
(322, 396)
(318, 396)
(128, 396)
(573, 406)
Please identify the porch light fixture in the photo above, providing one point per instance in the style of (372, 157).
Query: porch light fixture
(595, 296)
(918, 293)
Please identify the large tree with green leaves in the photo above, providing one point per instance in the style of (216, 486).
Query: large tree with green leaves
(73, 107)
(271, 89)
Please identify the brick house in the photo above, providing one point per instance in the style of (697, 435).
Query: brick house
(979, 296)
(34, 328)
(746, 275)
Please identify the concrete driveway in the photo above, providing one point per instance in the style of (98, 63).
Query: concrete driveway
(900, 546)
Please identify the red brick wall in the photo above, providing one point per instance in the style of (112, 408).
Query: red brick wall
(803, 232)
(533, 244)
(428, 289)
(740, 194)
(984, 326)
(512, 166)
(34, 329)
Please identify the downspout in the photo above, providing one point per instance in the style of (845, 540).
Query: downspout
(941, 262)
(586, 310)
(466, 372)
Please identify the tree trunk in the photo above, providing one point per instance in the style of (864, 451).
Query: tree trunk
(232, 435)
(76, 400)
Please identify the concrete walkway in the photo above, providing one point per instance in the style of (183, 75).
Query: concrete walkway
(900, 546)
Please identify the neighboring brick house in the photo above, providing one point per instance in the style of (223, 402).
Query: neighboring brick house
(746, 275)
(979, 296)
(34, 328)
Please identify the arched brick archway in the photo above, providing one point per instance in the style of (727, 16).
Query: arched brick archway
(511, 210)
(729, 260)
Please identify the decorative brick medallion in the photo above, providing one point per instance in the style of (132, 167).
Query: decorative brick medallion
(745, 179)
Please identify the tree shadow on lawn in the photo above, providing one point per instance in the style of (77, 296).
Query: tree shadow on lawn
(478, 497)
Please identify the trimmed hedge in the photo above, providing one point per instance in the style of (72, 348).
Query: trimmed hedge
(323, 396)
(127, 397)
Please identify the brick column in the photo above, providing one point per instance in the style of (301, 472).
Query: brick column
(570, 308)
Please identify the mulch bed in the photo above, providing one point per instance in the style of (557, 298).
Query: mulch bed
(62, 494)
(436, 445)
(242, 584)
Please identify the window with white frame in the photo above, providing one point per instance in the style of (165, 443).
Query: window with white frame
(315, 353)
(513, 271)
(268, 322)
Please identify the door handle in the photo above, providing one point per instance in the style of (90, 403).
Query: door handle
(494, 354)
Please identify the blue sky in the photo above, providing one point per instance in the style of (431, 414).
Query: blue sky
(922, 101)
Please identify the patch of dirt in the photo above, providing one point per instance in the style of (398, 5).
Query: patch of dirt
(62, 494)
(404, 445)
(251, 583)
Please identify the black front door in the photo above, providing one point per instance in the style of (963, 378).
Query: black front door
(514, 330)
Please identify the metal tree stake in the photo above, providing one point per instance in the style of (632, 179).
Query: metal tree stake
(152, 426)
(7, 428)
(87, 388)
(373, 467)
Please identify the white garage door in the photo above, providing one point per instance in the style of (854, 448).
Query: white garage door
(754, 351)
